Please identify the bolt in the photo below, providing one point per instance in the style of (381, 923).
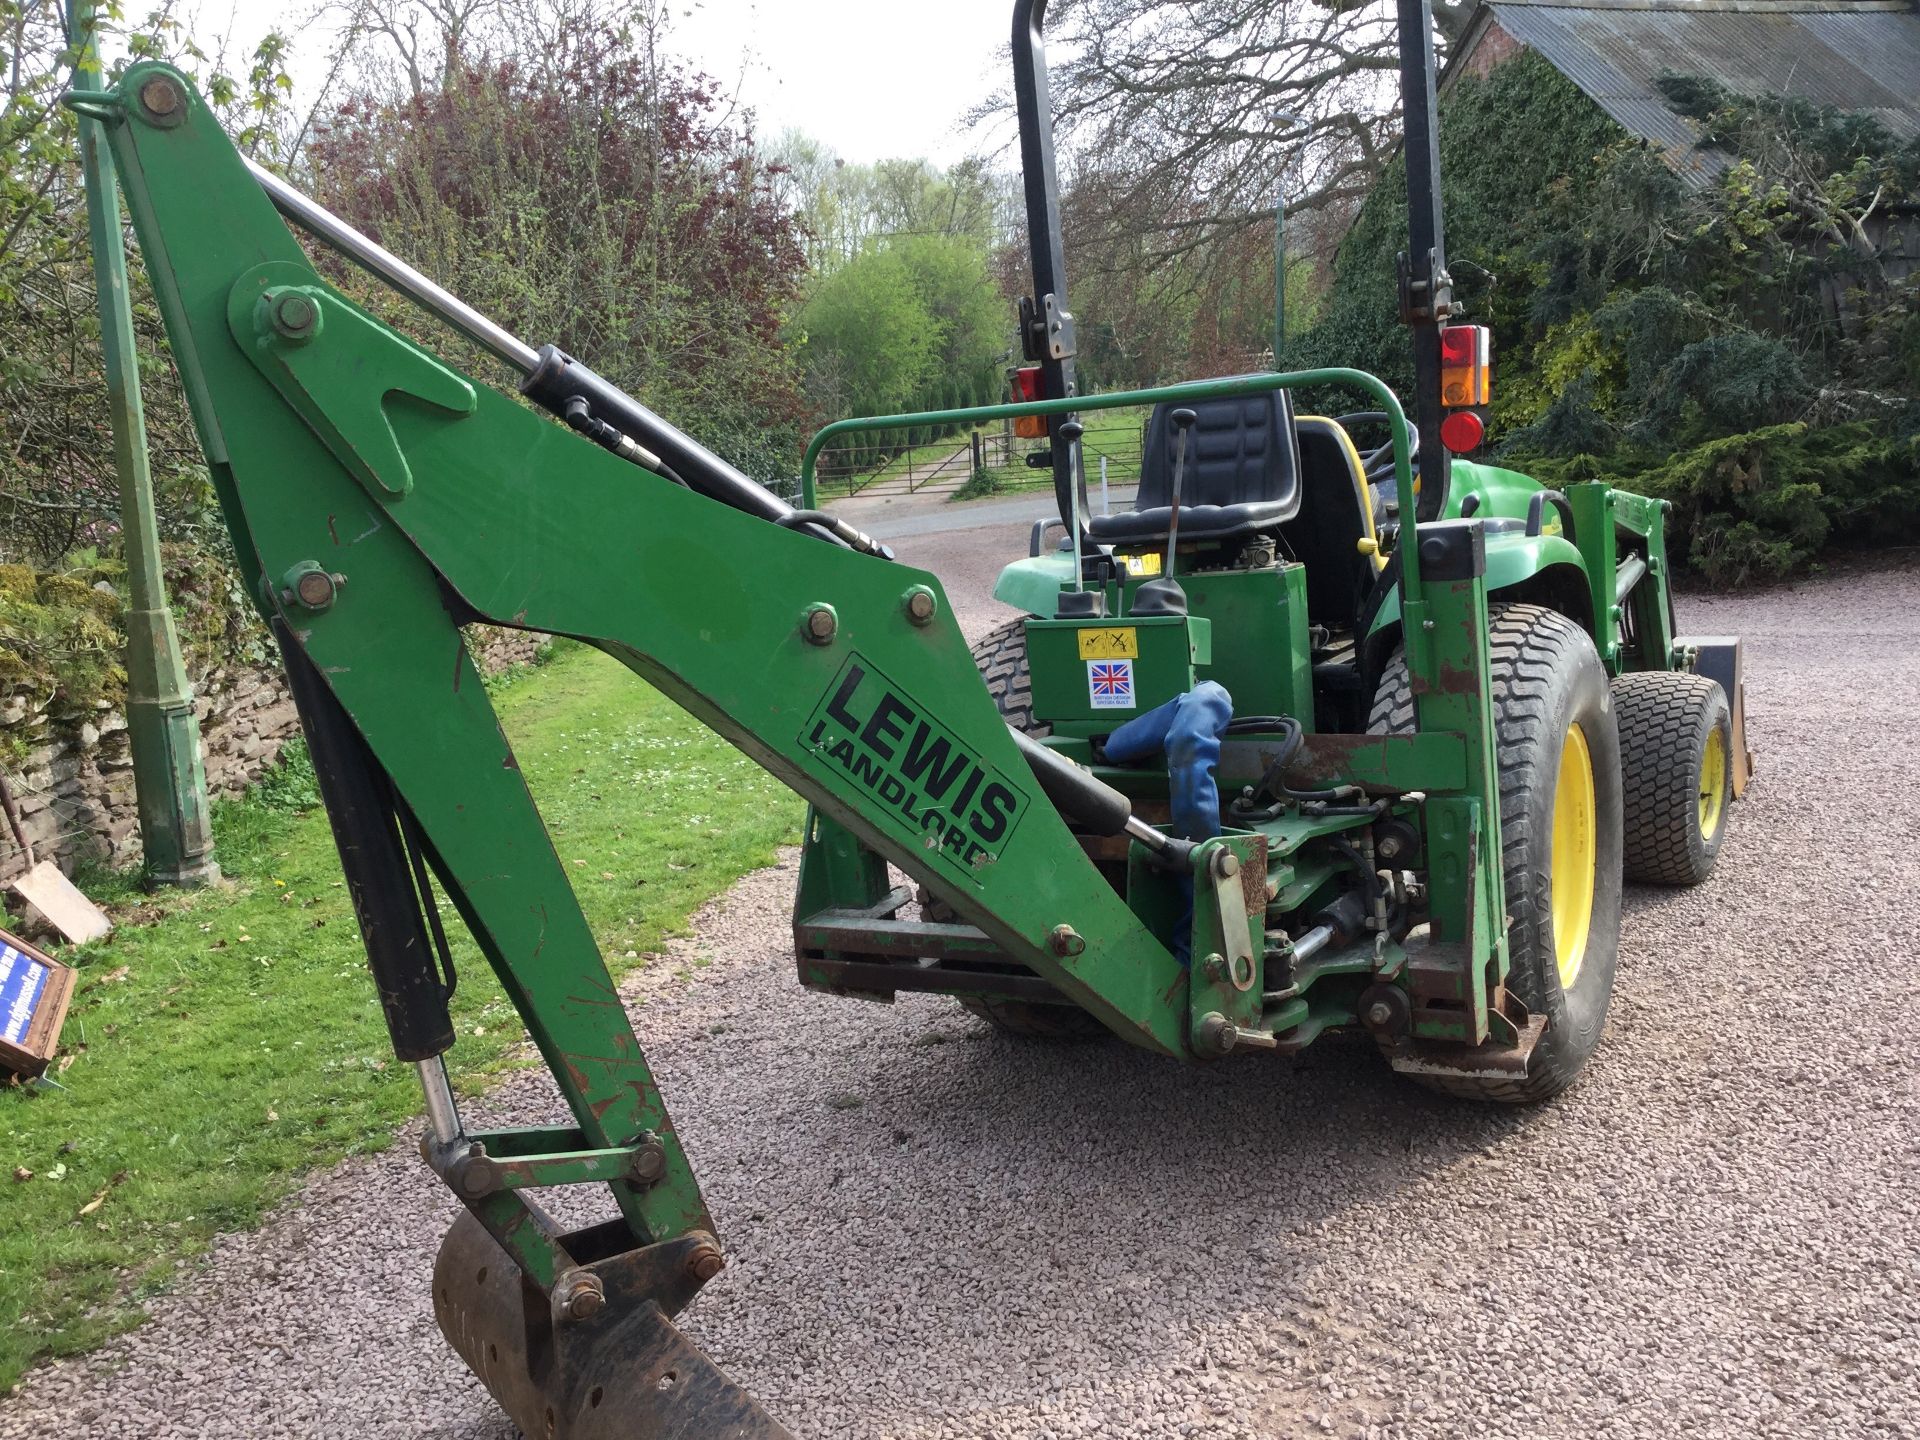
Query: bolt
(314, 590)
(1379, 1014)
(582, 1296)
(295, 316)
(1226, 863)
(819, 624)
(160, 96)
(1063, 941)
(705, 1261)
(649, 1162)
(920, 605)
(1215, 967)
(1215, 1034)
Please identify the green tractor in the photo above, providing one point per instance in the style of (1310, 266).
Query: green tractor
(1310, 740)
(1451, 712)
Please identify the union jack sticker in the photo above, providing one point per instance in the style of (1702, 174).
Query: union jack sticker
(1110, 684)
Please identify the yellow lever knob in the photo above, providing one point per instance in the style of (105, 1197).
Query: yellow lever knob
(1367, 545)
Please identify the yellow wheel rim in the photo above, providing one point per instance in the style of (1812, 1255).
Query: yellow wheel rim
(1713, 782)
(1575, 843)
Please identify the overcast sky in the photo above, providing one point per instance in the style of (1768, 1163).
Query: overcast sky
(871, 78)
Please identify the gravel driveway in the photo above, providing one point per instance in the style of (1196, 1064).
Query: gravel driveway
(1712, 1235)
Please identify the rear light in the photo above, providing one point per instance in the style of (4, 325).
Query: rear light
(1466, 366)
(1026, 386)
(1462, 432)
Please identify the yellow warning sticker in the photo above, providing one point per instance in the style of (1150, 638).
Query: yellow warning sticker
(1109, 642)
(1147, 564)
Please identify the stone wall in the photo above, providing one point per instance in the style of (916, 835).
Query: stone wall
(75, 788)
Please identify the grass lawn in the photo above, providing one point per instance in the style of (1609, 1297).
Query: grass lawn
(223, 1044)
(1112, 435)
(1002, 480)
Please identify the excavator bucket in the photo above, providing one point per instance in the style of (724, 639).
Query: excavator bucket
(611, 1367)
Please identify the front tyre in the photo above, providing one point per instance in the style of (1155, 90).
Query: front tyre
(1676, 748)
(1558, 750)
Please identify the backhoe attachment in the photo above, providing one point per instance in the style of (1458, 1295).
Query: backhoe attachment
(379, 500)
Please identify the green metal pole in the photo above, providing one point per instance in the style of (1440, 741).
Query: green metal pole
(170, 782)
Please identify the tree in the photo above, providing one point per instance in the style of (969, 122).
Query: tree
(1737, 349)
(867, 339)
(845, 206)
(599, 199)
(1194, 112)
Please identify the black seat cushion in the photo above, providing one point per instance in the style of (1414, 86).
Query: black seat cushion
(1243, 473)
(1324, 535)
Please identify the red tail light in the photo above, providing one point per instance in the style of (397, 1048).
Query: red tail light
(1466, 366)
(1026, 386)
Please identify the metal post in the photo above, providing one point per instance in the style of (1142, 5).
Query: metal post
(1428, 296)
(170, 782)
(1279, 271)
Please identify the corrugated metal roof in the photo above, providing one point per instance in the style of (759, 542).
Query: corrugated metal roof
(1862, 57)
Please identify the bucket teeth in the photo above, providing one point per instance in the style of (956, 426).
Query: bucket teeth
(615, 1369)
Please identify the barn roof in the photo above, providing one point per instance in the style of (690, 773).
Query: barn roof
(1856, 55)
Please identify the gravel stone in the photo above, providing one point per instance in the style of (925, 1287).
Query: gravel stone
(1709, 1236)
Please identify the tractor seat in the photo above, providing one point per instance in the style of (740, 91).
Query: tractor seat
(1243, 473)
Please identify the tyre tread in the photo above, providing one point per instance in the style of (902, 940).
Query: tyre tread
(1525, 647)
(1660, 732)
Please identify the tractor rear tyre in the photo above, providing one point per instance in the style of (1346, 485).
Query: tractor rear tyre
(1676, 744)
(1001, 655)
(1558, 751)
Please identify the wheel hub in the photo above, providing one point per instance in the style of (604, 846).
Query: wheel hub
(1575, 847)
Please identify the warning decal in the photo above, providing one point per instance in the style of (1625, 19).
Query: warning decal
(1110, 684)
(1109, 642)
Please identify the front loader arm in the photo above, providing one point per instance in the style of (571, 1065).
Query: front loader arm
(383, 500)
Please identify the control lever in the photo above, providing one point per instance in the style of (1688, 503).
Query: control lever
(1079, 603)
(1071, 431)
(1164, 596)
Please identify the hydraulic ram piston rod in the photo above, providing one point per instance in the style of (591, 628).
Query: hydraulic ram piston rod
(321, 222)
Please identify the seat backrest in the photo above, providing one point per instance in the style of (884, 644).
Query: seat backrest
(1241, 451)
(1334, 516)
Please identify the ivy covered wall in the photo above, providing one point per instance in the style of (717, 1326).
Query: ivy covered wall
(1750, 351)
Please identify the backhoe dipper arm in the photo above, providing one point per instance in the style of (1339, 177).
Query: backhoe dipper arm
(379, 500)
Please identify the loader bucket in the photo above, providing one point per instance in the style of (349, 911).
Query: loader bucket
(622, 1372)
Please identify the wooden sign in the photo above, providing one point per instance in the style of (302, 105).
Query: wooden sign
(34, 990)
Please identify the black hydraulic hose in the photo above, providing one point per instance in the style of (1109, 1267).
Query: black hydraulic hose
(1272, 782)
(582, 421)
(558, 379)
(423, 883)
(858, 539)
(1260, 724)
(1369, 877)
